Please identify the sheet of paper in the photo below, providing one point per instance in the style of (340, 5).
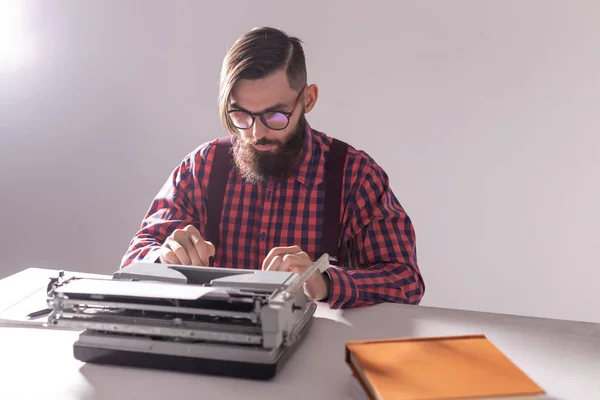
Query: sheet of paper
(160, 290)
(25, 292)
(17, 313)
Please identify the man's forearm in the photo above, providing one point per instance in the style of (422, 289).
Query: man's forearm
(141, 250)
(395, 283)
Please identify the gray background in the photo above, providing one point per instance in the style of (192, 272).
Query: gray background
(483, 113)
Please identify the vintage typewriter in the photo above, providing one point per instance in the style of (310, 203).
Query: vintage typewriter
(222, 321)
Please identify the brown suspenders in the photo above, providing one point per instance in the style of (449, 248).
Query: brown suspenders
(334, 174)
(334, 179)
(217, 181)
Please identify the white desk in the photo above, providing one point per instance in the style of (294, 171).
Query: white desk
(563, 357)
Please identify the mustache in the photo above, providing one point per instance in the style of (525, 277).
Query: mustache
(265, 141)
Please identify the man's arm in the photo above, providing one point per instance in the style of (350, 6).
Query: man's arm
(381, 263)
(172, 208)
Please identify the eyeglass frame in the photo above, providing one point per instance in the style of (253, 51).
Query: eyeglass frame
(260, 115)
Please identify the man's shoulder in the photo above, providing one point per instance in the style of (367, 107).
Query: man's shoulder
(197, 163)
(357, 159)
(365, 180)
(203, 154)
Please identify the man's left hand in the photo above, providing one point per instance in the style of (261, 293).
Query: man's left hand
(295, 260)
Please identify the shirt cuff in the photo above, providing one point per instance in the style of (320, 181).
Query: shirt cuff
(343, 292)
(153, 256)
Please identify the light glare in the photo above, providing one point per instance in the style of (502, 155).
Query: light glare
(15, 49)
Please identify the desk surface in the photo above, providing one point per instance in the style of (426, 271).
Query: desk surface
(563, 357)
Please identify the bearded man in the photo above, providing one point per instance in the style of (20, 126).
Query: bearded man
(276, 194)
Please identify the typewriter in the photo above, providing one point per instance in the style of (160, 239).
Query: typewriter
(220, 321)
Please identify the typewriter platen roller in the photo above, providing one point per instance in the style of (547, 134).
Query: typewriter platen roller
(233, 322)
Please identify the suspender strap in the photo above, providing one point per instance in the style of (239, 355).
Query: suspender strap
(217, 182)
(334, 178)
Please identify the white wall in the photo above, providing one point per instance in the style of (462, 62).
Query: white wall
(485, 114)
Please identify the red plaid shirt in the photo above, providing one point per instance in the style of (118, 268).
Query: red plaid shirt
(378, 262)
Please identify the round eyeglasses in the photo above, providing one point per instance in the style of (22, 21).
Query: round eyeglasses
(275, 120)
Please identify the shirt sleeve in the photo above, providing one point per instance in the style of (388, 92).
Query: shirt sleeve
(379, 258)
(173, 207)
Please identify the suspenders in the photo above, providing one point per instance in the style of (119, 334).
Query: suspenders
(334, 176)
(334, 173)
(217, 181)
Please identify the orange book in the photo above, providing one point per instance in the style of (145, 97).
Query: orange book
(436, 368)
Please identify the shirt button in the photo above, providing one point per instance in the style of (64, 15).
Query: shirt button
(268, 194)
(263, 236)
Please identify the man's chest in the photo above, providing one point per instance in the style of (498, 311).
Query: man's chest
(257, 218)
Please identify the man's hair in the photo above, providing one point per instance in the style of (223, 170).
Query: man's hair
(255, 55)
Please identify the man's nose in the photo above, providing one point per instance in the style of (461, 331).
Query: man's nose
(259, 130)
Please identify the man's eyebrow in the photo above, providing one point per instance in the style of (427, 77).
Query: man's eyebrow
(276, 107)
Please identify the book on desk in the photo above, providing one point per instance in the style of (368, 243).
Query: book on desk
(436, 368)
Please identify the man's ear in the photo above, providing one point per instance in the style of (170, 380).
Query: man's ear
(311, 94)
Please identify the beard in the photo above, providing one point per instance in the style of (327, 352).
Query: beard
(258, 167)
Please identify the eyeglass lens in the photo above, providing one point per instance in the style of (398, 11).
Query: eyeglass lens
(273, 120)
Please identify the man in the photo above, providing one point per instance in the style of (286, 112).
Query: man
(272, 213)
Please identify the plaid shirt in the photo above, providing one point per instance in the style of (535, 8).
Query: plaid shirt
(378, 261)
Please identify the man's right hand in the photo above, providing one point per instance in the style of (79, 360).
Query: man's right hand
(186, 247)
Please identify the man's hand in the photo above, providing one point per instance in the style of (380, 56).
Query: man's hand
(187, 247)
(295, 260)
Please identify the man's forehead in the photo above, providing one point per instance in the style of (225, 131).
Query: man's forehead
(261, 94)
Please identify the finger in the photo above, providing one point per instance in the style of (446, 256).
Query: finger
(269, 258)
(195, 250)
(198, 248)
(201, 248)
(191, 250)
(204, 249)
(191, 229)
(167, 256)
(182, 237)
(274, 264)
(179, 251)
(211, 250)
(278, 251)
(299, 260)
(298, 270)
